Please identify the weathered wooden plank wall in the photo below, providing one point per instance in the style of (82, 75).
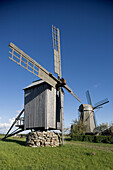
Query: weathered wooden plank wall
(35, 106)
(51, 108)
(42, 107)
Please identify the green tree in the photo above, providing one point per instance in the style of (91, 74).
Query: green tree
(77, 128)
(102, 127)
(111, 128)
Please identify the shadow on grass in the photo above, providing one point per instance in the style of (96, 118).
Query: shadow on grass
(88, 154)
(67, 139)
(15, 141)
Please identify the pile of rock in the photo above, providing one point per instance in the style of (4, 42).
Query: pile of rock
(37, 139)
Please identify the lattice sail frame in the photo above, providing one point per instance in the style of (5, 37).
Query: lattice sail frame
(56, 47)
(100, 103)
(31, 65)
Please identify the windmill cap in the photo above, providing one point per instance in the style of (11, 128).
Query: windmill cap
(85, 107)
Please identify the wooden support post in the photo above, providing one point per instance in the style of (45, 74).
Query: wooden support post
(62, 114)
(62, 133)
(14, 123)
(13, 133)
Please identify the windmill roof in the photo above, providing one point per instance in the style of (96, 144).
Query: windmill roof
(85, 107)
(34, 83)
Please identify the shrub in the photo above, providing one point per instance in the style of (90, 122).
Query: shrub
(81, 138)
(86, 138)
(107, 139)
(99, 139)
(78, 138)
(92, 138)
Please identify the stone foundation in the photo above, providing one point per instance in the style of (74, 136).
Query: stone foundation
(42, 139)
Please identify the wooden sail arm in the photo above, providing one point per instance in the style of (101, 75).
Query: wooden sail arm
(25, 61)
(71, 91)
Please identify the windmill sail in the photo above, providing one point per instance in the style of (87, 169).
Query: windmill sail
(56, 47)
(31, 65)
(88, 97)
(100, 103)
(95, 119)
(71, 91)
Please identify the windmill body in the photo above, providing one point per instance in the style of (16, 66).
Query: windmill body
(42, 107)
(87, 114)
(87, 117)
(43, 101)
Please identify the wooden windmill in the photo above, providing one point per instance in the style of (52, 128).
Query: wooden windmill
(87, 114)
(43, 108)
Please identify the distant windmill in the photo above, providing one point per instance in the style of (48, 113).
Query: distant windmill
(87, 115)
(43, 109)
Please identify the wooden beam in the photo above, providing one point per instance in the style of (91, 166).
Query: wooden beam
(14, 123)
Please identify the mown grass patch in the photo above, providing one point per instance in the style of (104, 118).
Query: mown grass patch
(15, 155)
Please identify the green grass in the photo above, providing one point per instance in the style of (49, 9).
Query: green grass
(94, 144)
(73, 155)
(68, 140)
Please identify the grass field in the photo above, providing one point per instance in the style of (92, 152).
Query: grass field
(73, 155)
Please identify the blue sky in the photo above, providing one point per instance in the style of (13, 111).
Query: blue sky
(86, 29)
